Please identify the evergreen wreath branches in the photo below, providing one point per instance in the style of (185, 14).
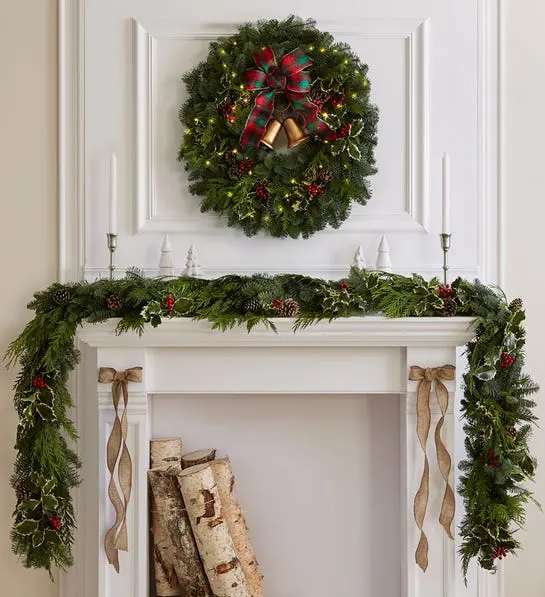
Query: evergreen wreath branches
(293, 193)
(497, 407)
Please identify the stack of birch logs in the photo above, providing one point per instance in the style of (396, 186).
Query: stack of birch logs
(201, 546)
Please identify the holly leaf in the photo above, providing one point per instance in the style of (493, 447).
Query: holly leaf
(29, 505)
(50, 503)
(48, 486)
(354, 151)
(510, 342)
(356, 128)
(46, 412)
(26, 527)
(52, 536)
(485, 373)
(38, 538)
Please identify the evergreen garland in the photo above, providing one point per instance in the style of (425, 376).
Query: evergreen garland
(497, 408)
(293, 193)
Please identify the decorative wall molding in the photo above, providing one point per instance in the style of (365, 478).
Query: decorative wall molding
(71, 158)
(414, 33)
(490, 245)
(327, 272)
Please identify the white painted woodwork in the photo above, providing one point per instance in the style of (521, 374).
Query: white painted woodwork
(433, 66)
(231, 390)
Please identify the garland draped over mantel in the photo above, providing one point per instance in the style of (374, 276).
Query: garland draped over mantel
(497, 410)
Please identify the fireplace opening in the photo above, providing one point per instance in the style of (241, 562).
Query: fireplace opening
(318, 480)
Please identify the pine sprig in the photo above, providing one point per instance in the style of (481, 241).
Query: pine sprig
(497, 407)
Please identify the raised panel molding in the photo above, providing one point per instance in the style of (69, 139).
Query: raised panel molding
(414, 33)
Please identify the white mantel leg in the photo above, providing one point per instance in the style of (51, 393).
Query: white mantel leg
(133, 578)
(439, 579)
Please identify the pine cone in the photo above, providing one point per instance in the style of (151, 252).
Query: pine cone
(62, 296)
(24, 488)
(324, 174)
(450, 307)
(516, 305)
(288, 308)
(114, 303)
(319, 97)
(251, 306)
(512, 432)
(234, 171)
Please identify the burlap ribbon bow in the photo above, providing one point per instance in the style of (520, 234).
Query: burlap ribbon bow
(426, 377)
(117, 538)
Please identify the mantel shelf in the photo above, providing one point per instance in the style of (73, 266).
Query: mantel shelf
(353, 331)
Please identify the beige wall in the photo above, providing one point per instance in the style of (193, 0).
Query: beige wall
(524, 196)
(28, 230)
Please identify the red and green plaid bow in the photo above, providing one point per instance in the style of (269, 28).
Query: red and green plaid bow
(288, 78)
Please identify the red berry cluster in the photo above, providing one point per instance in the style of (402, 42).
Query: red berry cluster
(262, 190)
(339, 100)
(169, 303)
(277, 303)
(506, 360)
(344, 130)
(39, 383)
(228, 112)
(55, 522)
(493, 460)
(344, 286)
(445, 291)
(314, 189)
(246, 165)
(499, 553)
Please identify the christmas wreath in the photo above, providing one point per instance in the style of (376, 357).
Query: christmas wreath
(270, 76)
(497, 407)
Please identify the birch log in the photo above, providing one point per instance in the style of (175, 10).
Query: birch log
(162, 453)
(181, 550)
(225, 480)
(198, 457)
(218, 554)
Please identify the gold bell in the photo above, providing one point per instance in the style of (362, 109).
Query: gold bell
(273, 128)
(294, 133)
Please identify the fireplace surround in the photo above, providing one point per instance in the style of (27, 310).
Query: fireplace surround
(356, 356)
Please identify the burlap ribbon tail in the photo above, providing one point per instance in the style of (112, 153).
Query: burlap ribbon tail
(116, 537)
(426, 377)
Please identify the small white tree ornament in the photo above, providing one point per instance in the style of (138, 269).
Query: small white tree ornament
(359, 259)
(192, 268)
(166, 264)
(384, 262)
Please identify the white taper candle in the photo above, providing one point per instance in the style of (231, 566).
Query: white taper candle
(113, 194)
(446, 193)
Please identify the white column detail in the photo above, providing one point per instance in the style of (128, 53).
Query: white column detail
(133, 577)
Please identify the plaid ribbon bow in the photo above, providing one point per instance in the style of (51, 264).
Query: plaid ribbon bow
(288, 78)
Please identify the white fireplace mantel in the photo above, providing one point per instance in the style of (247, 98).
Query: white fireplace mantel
(369, 355)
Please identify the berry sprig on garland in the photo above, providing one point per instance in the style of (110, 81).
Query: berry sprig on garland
(342, 138)
(497, 409)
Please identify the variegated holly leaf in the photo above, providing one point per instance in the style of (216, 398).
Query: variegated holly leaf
(485, 373)
(356, 128)
(29, 505)
(354, 151)
(26, 527)
(50, 503)
(46, 412)
(38, 538)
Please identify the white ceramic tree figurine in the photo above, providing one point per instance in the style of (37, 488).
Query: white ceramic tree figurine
(384, 262)
(166, 263)
(192, 268)
(359, 259)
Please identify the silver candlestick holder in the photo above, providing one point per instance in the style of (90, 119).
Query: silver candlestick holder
(112, 246)
(445, 245)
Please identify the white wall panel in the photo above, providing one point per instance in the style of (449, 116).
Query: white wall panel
(432, 67)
